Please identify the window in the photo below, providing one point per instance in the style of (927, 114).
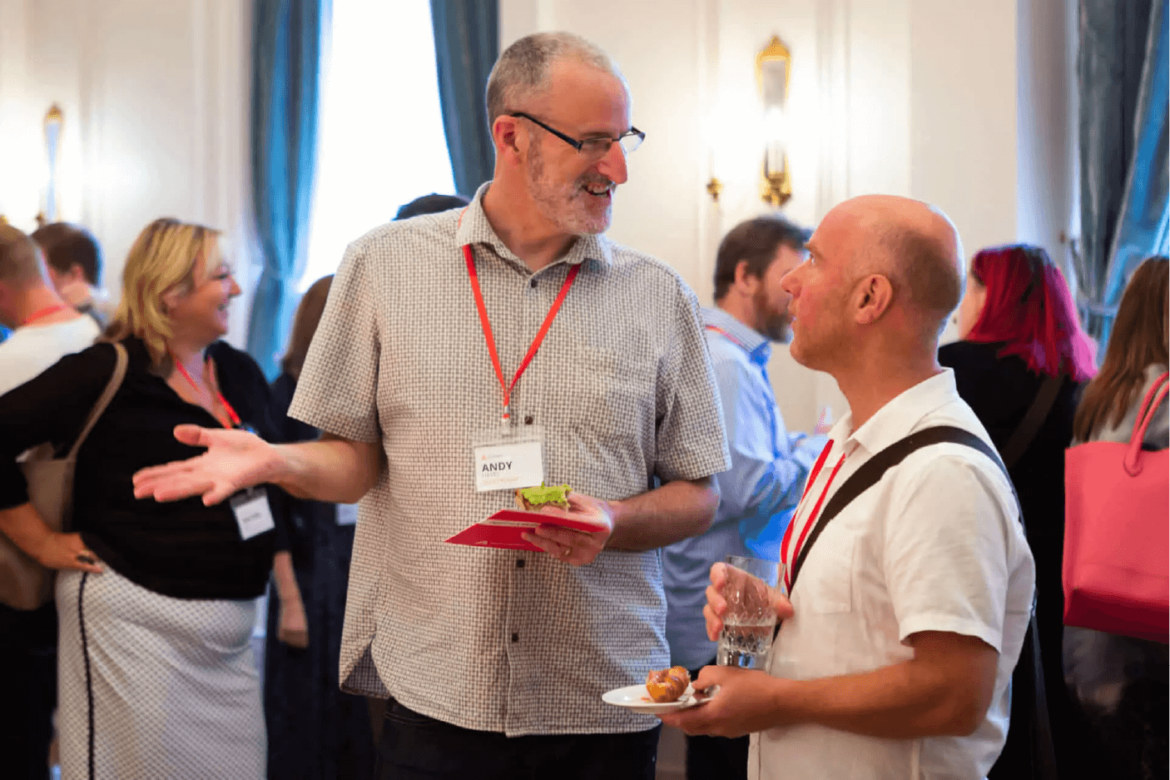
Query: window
(380, 133)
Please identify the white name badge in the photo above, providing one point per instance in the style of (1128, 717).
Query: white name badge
(347, 514)
(506, 458)
(253, 515)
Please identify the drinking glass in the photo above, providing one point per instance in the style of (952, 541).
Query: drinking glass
(750, 622)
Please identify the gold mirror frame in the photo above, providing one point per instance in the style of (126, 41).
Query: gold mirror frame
(776, 185)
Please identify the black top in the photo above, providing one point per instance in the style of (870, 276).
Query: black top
(284, 387)
(303, 516)
(181, 549)
(1000, 390)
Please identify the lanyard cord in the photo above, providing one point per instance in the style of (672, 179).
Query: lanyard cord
(48, 311)
(487, 328)
(235, 418)
(786, 554)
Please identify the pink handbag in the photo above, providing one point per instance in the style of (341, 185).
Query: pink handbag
(1117, 533)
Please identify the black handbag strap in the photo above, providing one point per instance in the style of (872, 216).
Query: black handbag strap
(873, 469)
(1025, 432)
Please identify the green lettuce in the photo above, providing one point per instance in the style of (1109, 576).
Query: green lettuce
(554, 494)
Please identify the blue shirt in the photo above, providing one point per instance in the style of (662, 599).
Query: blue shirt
(768, 470)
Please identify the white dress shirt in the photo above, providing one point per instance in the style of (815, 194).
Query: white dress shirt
(33, 348)
(936, 545)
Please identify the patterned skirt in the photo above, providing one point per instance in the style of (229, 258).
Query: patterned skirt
(153, 686)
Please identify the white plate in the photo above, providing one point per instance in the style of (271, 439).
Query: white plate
(637, 698)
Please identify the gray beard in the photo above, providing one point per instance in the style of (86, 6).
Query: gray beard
(562, 204)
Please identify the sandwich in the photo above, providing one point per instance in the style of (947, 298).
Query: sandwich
(533, 498)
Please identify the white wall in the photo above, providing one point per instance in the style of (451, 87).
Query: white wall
(155, 98)
(963, 115)
(20, 125)
(919, 98)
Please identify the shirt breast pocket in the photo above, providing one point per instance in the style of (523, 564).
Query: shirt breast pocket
(827, 581)
(615, 395)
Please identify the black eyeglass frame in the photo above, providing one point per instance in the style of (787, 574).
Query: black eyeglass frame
(633, 132)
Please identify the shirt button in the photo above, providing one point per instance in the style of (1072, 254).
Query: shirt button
(515, 637)
(532, 284)
(519, 563)
(528, 420)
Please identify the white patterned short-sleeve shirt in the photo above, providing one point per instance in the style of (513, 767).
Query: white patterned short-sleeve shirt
(498, 640)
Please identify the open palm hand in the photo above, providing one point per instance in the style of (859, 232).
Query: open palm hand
(234, 460)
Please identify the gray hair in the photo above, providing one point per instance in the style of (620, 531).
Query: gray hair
(523, 68)
(21, 264)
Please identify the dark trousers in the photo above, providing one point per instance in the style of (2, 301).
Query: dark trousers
(415, 747)
(28, 691)
(716, 758)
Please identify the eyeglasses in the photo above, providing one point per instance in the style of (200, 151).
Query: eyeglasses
(594, 148)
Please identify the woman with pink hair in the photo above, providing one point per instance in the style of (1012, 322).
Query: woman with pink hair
(1020, 363)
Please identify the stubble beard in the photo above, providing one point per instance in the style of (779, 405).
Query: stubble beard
(567, 205)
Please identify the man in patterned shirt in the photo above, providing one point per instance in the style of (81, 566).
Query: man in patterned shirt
(768, 464)
(494, 661)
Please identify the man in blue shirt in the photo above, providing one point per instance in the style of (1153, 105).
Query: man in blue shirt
(768, 465)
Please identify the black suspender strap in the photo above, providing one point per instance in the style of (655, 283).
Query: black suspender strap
(1029, 705)
(873, 469)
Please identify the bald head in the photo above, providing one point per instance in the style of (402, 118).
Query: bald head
(915, 246)
(21, 265)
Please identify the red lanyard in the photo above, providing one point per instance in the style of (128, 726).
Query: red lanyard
(487, 327)
(787, 556)
(235, 418)
(40, 314)
(728, 336)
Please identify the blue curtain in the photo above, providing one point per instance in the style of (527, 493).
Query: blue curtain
(467, 43)
(288, 38)
(1125, 183)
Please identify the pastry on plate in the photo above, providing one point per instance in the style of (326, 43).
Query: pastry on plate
(668, 685)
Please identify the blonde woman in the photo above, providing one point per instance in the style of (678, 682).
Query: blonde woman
(156, 601)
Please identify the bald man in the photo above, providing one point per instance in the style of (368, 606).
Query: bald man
(909, 612)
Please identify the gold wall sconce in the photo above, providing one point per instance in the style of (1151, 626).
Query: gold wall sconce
(714, 187)
(54, 127)
(773, 66)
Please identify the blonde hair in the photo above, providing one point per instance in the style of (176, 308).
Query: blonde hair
(164, 258)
